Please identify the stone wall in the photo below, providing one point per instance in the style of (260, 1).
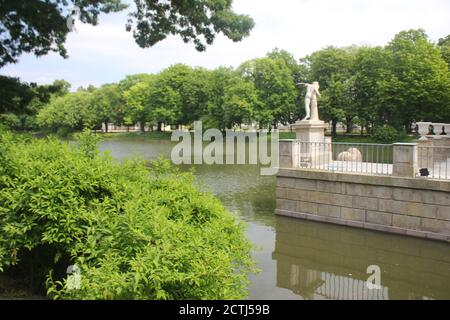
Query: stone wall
(407, 206)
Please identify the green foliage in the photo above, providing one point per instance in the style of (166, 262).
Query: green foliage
(385, 134)
(23, 30)
(134, 232)
(422, 86)
(193, 87)
(332, 68)
(87, 143)
(107, 105)
(10, 121)
(275, 90)
(408, 80)
(444, 45)
(21, 101)
(72, 112)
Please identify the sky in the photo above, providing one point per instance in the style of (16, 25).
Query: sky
(107, 53)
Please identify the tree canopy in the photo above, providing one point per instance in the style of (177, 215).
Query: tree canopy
(405, 81)
(40, 26)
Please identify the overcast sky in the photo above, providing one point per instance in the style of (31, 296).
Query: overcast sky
(107, 53)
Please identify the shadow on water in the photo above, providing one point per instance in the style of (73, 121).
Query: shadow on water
(307, 260)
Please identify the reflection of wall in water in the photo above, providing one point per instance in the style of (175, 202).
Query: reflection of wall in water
(309, 283)
(316, 260)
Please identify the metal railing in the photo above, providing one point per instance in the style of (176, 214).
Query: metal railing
(346, 157)
(434, 161)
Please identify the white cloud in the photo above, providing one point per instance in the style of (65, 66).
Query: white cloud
(108, 53)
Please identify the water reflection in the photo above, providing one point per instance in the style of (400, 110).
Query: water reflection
(321, 261)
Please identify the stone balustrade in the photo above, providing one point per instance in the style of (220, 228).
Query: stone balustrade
(432, 130)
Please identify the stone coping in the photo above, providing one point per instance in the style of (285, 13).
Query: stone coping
(352, 177)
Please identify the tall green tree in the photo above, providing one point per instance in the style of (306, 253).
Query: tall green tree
(423, 86)
(164, 104)
(332, 68)
(192, 86)
(219, 80)
(444, 45)
(137, 103)
(69, 112)
(275, 89)
(240, 102)
(107, 104)
(373, 81)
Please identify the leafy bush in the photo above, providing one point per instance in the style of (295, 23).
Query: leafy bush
(134, 232)
(386, 134)
(10, 121)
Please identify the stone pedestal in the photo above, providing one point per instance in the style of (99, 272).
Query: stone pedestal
(310, 131)
(314, 150)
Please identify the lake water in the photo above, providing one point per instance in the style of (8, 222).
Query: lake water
(307, 260)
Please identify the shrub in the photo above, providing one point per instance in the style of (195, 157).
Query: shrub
(10, 121)
(134, 232)
(386, 134)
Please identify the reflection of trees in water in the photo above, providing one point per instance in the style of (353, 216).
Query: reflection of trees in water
(320, 260)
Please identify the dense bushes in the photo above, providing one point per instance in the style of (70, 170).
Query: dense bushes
(134, 232)
(385, 134)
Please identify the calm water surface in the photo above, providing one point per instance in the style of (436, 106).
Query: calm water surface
(307, 260)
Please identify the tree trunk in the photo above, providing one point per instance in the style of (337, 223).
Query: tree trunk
(349, 125)
(142, 126)
(106, 127)
(334, 125)
(160, 126)
(408, 126)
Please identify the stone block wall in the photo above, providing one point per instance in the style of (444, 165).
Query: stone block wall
(413, 207)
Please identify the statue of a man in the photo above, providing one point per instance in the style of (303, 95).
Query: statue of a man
(312, 92)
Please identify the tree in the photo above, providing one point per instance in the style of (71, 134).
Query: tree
(299, 73)
(14, 95)
(240, 103)
(275, 89)
(69, 112)
(332, 68)
(444, 45)
(133, 79)
(40, 26)
(164, 104)
(192, 86)
(20, 101)
(107, 104)
(373, 80)
(219, 80)
(423, 87)
(137, 103)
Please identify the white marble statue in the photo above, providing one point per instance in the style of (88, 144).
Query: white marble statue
(312, 92)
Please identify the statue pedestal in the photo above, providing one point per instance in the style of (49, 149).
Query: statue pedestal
(310, 131)
(314, 149)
